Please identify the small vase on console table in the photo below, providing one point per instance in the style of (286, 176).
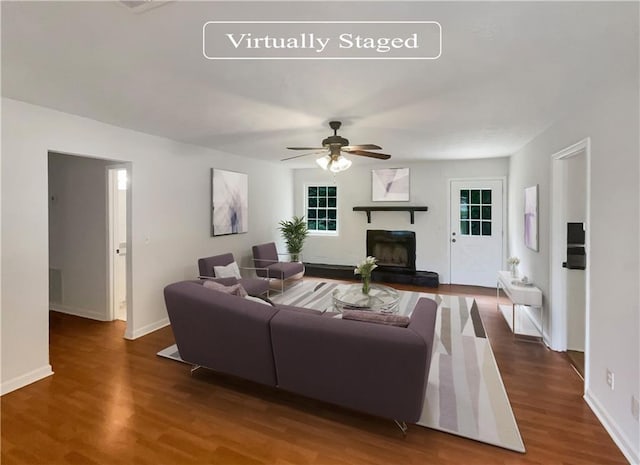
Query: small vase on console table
(513, 266)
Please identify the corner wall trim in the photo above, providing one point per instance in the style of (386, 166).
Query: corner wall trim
(135, 334)
(625, 446)
(27, 378)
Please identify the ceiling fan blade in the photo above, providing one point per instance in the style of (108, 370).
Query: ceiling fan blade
(305, 148)
(364, 153)
(304, 155)
(351, 148)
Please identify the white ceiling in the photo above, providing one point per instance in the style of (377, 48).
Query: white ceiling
(507, 71)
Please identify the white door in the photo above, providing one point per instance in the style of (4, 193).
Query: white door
(476, 236)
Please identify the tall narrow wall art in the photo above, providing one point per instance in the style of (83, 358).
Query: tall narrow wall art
(229, 202)
(531, 217)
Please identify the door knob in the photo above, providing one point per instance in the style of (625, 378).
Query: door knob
(453, 240)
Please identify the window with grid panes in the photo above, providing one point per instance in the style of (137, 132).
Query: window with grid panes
(322, 209)
(475, 212)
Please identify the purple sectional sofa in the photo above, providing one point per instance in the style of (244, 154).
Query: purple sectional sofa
(373, 368)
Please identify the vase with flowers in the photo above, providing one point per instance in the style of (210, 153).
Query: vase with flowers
(513, 265)
(364, 269)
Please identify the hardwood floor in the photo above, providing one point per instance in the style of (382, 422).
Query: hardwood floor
(113, 401)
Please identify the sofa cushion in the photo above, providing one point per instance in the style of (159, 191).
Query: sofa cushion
(376, 317)
(227, 271)
(284, 270)
(235, 289)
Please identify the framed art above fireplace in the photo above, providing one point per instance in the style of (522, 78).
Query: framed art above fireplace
(390, 185)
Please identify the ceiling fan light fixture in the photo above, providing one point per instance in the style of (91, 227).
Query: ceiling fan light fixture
(324, 162)
(341, 164)
(334, 145)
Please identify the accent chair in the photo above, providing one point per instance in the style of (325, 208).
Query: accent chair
(268, 265)
(253, 286)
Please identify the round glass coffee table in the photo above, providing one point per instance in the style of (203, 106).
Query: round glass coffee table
(382, 299)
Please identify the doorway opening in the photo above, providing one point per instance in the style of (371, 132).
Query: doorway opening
(569, 264)
(88, 215)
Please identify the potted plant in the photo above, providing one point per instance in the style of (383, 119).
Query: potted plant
(294, 232)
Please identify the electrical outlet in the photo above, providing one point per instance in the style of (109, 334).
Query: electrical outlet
(635, 408)
(610, 379)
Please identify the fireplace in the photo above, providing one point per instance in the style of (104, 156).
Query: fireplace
(396, 254)
(395, 250)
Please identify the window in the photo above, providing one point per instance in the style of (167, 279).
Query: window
(322, 209)
(475, 212)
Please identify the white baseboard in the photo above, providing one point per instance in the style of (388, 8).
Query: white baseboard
(93, 315)
(625, 446)
(28, 378)
(146, 329)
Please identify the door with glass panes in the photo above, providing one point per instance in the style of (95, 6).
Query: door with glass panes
(476, 231)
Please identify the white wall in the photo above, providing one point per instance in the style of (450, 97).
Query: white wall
(610, 119)
(170, 195)
(429, 185)
(78, 229)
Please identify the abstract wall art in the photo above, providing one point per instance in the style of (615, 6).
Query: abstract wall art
(390, 185)
(531, 217)
(229, 202)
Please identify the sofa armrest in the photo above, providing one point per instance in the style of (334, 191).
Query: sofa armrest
(423, 323)
(222, 332)
(373, 368)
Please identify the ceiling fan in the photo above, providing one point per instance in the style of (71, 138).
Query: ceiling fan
(334, 145)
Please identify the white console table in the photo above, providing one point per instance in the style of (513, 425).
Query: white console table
(519, 294)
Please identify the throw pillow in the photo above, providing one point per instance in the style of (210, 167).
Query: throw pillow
(227, 271)
(374, 317)
(258, 300)
(236, 289)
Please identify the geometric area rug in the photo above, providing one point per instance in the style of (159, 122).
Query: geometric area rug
(465, 395)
